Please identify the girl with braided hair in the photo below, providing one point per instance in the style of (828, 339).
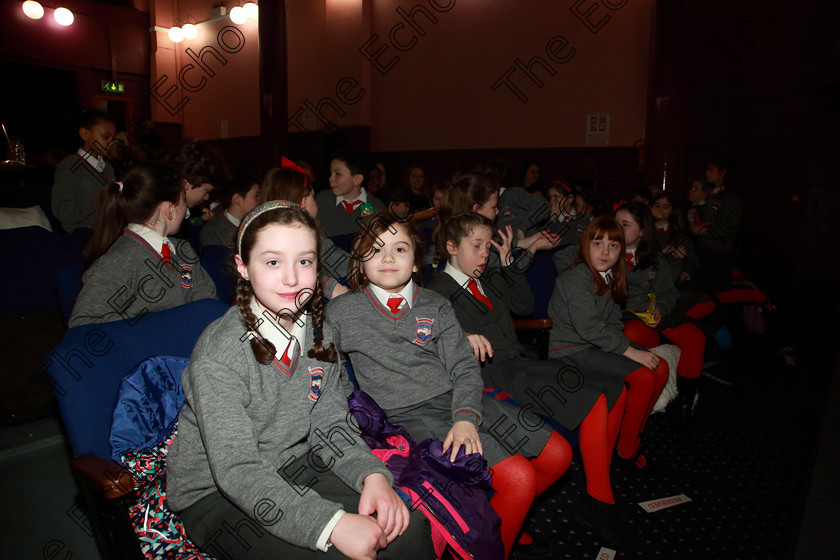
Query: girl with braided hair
(265, 463)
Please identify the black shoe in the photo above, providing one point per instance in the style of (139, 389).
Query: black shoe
(678, 413)
(539, 548)
(605, 520)
(680, 409)
(638, 463)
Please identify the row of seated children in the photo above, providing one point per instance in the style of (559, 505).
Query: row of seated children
(549, 461)
(233, 436)
(603, 364)
(702, 240)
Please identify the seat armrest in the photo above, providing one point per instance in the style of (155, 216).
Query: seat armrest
(530, 324)
(423, 215)
(104, 477)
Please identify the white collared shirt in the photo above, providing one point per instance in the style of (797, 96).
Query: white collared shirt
(276, 333)
(632, 252)
(462, 279)
(407, 294)
(95, 160)
(151, 237)
(362, 196)
(233, 219)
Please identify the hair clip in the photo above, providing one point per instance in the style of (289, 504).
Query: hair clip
(618, 205)
(119, 185)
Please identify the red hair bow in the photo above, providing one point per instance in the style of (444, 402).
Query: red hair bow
(286, 163)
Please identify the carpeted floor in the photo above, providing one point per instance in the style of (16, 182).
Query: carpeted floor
(745, 466)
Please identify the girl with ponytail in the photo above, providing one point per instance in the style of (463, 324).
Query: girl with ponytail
(136, 267)
(265, 419)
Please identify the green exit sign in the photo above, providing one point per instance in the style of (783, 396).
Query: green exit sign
(113, 87)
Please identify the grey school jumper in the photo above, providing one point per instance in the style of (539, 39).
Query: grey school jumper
(657, 281)
(524, 211)
(131, 280)
(218, 231)
(418, 366)
(406, 359)
(243, 422)
(581, 319)
(559, 391)
(75, 192)
(333, 217)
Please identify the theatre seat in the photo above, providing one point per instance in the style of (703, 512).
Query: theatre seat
(86, 370)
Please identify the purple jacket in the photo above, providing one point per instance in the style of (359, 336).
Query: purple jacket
(451, 495)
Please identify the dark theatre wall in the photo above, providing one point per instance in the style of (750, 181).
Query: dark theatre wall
(104, 43)
(757, 80)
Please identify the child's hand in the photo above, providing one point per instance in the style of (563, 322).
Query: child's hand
(378, 496)
(540, 240)
(358, 536)
(647, 359)
(480, 346)
(657, 316)
(505, 253)
(462, 433)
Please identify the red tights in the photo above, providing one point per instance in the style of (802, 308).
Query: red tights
(643, 388)
(701, 310)
(517, 481)
(598, 433)
(688, 337)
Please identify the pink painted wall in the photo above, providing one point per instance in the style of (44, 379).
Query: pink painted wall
(215, 91)
(439, 93)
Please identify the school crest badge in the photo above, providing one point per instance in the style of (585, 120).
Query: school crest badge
(424, 331)
(316, 378)
(186, 276)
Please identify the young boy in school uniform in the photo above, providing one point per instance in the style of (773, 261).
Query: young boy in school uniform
(240, 198)
(339, 209)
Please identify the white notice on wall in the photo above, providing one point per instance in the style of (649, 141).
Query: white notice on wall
(598, 129)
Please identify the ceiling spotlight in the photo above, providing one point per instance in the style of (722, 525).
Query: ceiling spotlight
(63, 16)
(238, 15)
(252, 10)
(33, 9)
(190, 31)
(176, 34)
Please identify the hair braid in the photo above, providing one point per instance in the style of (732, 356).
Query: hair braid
(263, 349)
(317, 306)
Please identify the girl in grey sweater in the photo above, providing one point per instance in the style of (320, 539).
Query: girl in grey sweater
(410, 354)
(137, 268)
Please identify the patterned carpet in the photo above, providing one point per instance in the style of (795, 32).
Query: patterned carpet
(745, 466)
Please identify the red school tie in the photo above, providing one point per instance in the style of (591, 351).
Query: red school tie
(350, 207)
(394, 304)
(287, 359)
(164, 252)
(629, 260)
(472, 286)
(661, 229)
